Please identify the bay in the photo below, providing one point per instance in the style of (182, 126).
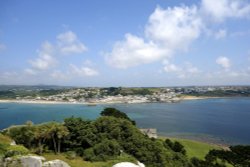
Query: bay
(220, 120)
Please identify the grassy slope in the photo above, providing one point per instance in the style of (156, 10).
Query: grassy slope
(5, 139)
(195, 148)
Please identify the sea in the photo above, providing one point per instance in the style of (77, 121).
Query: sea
(223, 121)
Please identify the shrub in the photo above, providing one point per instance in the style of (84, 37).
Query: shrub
(106, 150)
(16, 150)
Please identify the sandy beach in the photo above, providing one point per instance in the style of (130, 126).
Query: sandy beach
(196, 97)
(60, 102)
(40, 102)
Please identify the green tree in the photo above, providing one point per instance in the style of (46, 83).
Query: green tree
(82, 133)
(175, 146)
(41, 135)
(116, 113)
(23, 134)
(107, 149)
(56, 132)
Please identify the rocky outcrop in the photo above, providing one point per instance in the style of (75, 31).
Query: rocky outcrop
(31, 161)
(129, 164)
(55, 163)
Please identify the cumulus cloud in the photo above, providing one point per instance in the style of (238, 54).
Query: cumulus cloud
(134, 51)
(223, 62)
(45, 58)
(167, 31)
(83, 71)
(30, 71)
(68, 43)
(219, 10)
(175, 27)
(186, 71)
(168, 67)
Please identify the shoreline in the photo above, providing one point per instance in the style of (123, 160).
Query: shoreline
(185, 97)
(182, 98)
(212, 143)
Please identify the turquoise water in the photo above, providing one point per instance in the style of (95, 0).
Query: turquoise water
(216, 120)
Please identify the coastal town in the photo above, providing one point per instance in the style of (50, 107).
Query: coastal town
(92, 96)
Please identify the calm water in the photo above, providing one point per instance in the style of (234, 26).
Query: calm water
(225, 121)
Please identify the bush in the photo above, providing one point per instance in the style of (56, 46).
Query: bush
(175, 146)
(116, 113)
(16, 150)
(3, 149)
(70, 155)
(106, 150)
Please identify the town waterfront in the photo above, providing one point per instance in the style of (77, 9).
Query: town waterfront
(221, 120)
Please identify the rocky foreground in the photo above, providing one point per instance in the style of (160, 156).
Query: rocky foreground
(39, 161)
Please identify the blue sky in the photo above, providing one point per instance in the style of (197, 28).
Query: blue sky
(125, 43)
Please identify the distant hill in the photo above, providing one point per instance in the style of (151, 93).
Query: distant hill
(31, 87)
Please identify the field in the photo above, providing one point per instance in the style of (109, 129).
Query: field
(195, 148)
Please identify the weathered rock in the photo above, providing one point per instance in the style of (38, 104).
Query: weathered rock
(11, 162)
(55, 163)
(31, 161)
(129, 164)
(13, 143)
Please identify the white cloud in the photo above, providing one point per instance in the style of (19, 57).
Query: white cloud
(134, 51)
(191, 69)
(2, 47)
(171, 68)
(166, 32)
(222, 33)
(30, 71)
(83, 71)
(67, 37)
(68, 43)
(220, 10)
(186, 71)
(168, 67)
(45, 59)
(175, 27)
(59, 75)
(223, 62)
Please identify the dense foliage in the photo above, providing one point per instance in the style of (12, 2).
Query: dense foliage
(175, 146)
(116, 113)
(8, 150)
(238, 156)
